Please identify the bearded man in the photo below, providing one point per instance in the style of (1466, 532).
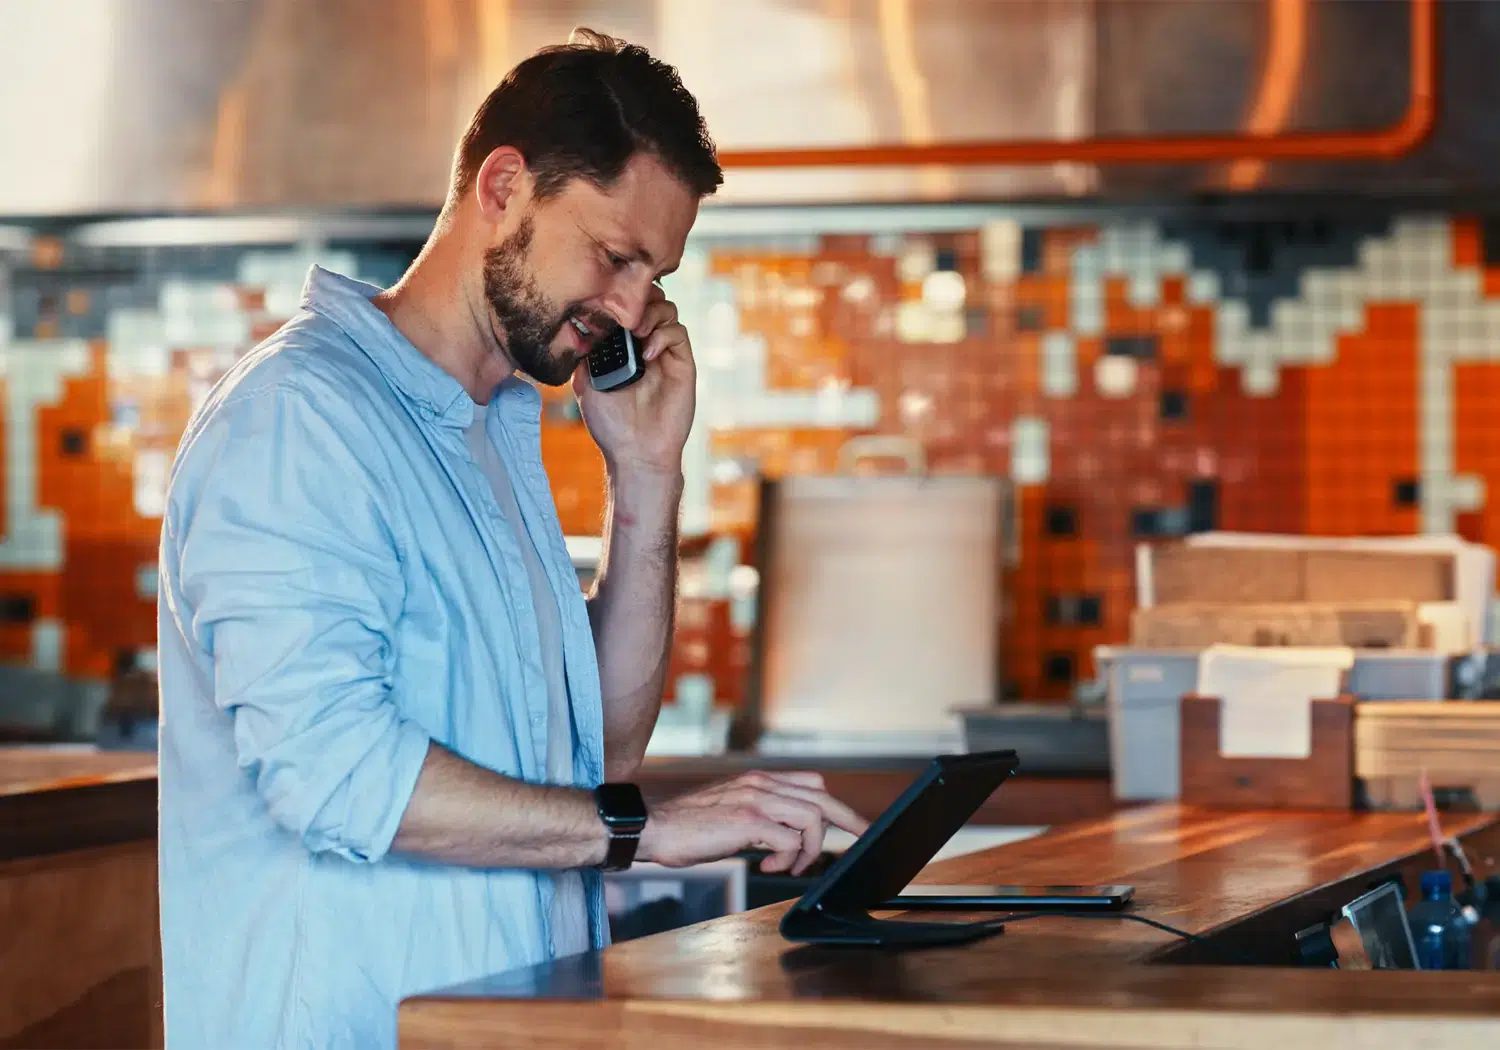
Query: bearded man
(397, 741)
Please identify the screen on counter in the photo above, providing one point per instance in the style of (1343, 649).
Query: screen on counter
(1380, 919)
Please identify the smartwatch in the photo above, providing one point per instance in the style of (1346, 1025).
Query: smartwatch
(623, 811)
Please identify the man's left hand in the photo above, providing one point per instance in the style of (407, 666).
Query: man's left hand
(643, 428)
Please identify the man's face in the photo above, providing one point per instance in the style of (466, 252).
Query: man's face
(581, 263)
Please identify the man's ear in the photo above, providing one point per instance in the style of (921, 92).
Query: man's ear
(502, 182)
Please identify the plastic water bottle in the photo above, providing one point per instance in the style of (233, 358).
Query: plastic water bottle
(1438, 925)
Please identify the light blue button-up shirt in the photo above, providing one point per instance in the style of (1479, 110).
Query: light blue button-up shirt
(338, 588)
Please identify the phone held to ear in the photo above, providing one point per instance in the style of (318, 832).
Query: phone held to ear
(616, 362)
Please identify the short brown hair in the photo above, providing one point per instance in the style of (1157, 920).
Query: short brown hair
(582, 110)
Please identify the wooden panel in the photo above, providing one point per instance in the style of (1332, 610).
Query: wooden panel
(32, 768)
(1324, 780)
(77, 817)
(1363, 625)
(81, 951)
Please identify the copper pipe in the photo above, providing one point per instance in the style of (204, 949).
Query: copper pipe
(1384, 144)
(1286, 48)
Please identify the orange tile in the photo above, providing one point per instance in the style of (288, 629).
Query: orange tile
(1468, 246)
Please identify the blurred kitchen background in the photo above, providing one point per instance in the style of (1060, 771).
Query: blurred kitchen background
(1008, 312)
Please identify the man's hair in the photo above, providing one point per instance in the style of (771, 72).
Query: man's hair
(582, 110)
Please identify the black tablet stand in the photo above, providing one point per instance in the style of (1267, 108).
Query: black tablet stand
(860, 928)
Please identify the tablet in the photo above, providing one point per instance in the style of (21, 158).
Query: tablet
(884, 860)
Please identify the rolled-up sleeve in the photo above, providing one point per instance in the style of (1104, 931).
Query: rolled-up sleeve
(290, 581)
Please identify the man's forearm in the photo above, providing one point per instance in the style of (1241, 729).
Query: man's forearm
(631, 611)
(466, 815)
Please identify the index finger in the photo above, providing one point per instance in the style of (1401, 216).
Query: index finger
(834, 811)
(801, 778)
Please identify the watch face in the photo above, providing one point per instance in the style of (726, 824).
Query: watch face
(621, 803)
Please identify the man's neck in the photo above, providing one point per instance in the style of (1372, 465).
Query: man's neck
(445, 316)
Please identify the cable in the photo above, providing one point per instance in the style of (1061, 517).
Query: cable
(1126, 916)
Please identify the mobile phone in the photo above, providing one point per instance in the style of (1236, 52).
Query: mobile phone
(616, 361)
(1077, 898)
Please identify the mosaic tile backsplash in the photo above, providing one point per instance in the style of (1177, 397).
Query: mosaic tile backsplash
(1135, 379)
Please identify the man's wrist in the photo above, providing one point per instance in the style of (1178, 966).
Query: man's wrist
(642, 495)
(634, 475)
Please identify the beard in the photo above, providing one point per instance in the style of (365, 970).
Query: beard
(528, 321)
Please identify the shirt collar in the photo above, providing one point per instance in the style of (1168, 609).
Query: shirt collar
(346, 302)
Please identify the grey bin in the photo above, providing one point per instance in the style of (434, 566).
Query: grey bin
(1143, 697)
(1049, 738)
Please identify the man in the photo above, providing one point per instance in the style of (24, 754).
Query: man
(386, 705)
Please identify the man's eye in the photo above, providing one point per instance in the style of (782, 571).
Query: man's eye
(619, 262)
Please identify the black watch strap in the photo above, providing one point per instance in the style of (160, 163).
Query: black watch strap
(623, 811)
(622, 847)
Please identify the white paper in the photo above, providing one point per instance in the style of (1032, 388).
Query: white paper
(1266, 696)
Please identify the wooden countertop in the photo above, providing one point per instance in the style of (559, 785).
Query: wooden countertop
(26, 769)
(53, 800)
(1054, 982)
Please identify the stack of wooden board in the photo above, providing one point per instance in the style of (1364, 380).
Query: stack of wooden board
(1195, 596)
(1457, 744)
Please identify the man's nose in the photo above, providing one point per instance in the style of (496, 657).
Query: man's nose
(627, 299)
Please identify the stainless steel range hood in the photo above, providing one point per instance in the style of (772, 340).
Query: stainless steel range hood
(166, 105)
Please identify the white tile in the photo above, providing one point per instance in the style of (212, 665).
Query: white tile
(1203, 287)
(1087, 301)
(914, 321)
(47, 644)
(1260, 379)
(177, 297)
(1174, 257)
(149, 475)
(1116, 376)
(1143, 290)
(861, 408)
(1467, 493)
(283, 299)
(918, 258)
(1000, 250)
(1087, 264)
(146, 581)
(1029, 453)
(1059, 365)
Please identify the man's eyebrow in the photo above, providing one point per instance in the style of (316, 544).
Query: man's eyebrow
(635, 253)
(641, 255)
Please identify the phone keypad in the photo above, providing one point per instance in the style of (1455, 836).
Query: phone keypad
(610, 355)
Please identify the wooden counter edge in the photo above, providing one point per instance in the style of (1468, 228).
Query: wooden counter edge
(1096, 1014)
(81, 814)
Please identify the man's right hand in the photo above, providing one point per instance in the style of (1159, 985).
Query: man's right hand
(786, 813)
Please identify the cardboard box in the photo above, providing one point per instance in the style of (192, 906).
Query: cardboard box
(1181, 572)
(1355, 576)
(1360, 625)
(1204, 574)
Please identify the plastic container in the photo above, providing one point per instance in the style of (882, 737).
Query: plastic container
(1438, 927)
(1144, 689)
(1400, 675)
(1050, 738)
